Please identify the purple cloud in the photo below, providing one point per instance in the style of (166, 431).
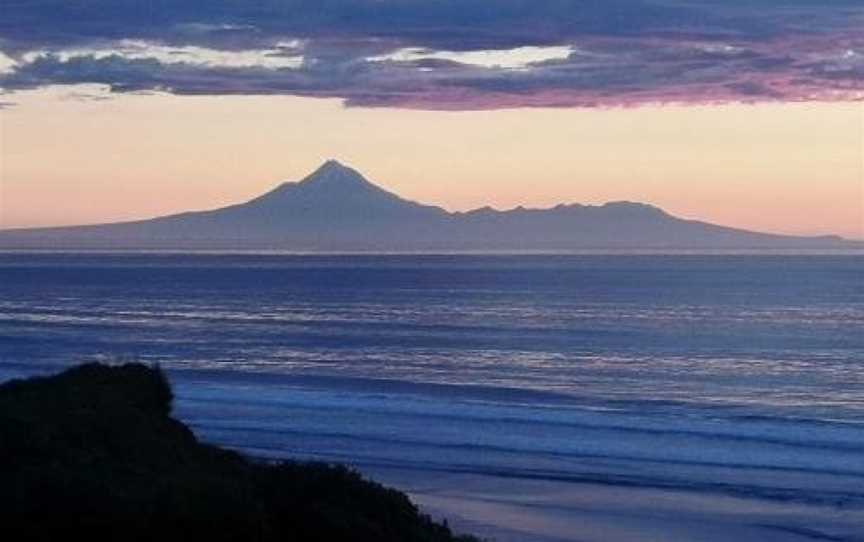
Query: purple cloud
(466, 54)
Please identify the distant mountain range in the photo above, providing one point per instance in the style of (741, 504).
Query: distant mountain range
(337, 209)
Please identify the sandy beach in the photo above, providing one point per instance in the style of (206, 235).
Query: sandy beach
(544, 511)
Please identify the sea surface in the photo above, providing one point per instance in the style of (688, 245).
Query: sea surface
(736, 381)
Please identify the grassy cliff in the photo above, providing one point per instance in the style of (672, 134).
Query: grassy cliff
(93, 452)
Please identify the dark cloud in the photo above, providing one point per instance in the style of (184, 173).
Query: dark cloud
(623, 51)
(752, 88)
(452, 24)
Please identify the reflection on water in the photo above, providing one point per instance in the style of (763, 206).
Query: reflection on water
(739, 375)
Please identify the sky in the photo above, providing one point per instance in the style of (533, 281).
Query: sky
(745, 113)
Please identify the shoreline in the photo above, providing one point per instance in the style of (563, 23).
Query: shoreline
(543, 511)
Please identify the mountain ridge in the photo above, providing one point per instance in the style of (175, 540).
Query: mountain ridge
(337, 208)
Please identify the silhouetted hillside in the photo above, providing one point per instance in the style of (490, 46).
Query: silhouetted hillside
(93, 454)
(336, 209)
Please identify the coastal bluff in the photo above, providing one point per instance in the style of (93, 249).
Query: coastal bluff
(93, 453)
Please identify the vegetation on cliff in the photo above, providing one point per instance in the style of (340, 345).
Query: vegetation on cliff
(93, 452)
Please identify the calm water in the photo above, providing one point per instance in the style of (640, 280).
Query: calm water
(740, 376)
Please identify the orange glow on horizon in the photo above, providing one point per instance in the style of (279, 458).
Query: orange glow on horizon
(793, 168)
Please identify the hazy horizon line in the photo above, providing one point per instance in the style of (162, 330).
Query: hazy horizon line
(488, 207)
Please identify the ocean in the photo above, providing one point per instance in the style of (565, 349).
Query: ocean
(527, 397)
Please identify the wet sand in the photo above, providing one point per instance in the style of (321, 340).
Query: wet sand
(512, 510)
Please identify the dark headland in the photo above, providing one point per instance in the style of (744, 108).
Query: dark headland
(94, 454)
(336, 209)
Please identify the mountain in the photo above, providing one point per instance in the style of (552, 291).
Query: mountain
(336, 209)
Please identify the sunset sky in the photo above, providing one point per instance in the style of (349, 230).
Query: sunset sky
(747, 114)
